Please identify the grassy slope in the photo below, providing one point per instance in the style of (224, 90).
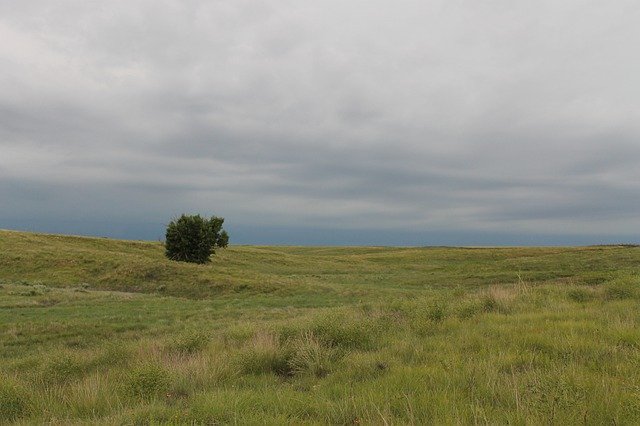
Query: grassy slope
(109, 331)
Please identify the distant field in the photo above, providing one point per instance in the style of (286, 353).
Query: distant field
(104, 331)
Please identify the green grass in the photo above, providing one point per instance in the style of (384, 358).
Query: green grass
(102, 331)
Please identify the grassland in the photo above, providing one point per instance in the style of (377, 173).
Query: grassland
(102, 331)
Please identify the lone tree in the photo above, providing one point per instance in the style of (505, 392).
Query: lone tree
(193, 238)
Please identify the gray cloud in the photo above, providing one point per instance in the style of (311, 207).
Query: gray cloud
(436, 116)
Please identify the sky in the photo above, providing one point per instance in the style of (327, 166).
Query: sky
(453, 122)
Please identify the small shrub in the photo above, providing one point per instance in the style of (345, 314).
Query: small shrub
(14, 401)
(148, 381)
(194, 238)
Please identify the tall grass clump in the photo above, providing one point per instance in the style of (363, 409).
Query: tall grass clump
(467, 309)
(14, 400)
(93, 396)
(311, 356)
(190, 342)
(437, 312)
(113, 354)
(265, 354)
(345, 331)
(497, 299)
(423, 315)
(147, 381)
(63, 367)
(580, 295)
(35, 290)
(622, 288)
(362, 366)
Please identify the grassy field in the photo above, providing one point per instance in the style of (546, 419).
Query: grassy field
(103, 331)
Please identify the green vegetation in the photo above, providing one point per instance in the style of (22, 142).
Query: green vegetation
(102, 331)
(193, 238)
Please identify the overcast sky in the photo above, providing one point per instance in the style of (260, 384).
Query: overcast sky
(324, 122)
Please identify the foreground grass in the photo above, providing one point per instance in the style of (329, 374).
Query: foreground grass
(101, 331)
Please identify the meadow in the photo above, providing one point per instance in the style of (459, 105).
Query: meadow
(103, 331)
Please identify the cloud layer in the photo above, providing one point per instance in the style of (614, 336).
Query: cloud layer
(416, 117)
